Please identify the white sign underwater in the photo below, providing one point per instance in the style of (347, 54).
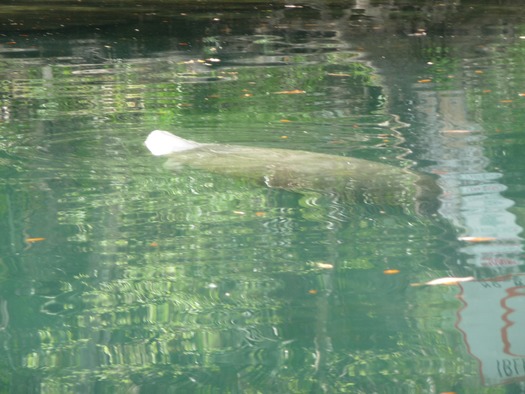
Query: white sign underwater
(493, 323)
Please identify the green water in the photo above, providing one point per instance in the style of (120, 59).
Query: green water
(118, 275)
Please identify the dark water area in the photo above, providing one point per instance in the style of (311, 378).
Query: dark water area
(122, 272)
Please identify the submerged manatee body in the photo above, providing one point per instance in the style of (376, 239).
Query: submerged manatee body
(351, 179)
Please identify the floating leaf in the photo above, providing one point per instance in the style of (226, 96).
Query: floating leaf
(425, 80)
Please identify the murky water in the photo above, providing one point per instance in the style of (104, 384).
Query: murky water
(118, 274)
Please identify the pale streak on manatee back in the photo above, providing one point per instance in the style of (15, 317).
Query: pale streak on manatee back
(161, 143)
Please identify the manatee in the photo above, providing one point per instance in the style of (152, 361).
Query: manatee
(351, 179)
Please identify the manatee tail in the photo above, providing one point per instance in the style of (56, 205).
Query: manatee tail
(161, 142)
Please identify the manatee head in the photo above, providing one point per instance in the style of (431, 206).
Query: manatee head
(161, 143)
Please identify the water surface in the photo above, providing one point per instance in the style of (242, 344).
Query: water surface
(118, 275)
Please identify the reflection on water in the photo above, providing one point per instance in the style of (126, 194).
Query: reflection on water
(474, 201)
(492, 320)
(472, 197)
(117, 275)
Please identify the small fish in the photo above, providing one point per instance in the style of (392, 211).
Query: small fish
(35, 239)
(458, 131)
(444, 281)
(391, 271)
(477, 239)
(31, 240)
(325, 266)
(295, 91)
(339, 75)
